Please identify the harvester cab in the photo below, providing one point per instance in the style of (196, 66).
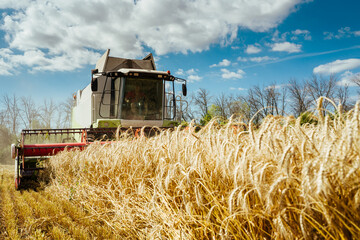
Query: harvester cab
(127, 93)
(124, 94)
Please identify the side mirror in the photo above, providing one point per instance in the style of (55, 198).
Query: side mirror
(94, 81)
(184, 90)
(94, 85)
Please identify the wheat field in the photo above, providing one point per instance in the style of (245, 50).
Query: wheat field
(30, 214)
(282, 180)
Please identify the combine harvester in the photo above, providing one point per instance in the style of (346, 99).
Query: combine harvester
(127, 94)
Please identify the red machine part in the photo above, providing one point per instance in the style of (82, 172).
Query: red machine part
(50, 149)
(32, 150)
(26, 153)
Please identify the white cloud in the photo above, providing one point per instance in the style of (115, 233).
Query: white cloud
(251, 49)
(194, 78)
(5, 68)
(337, 66)
(191, 75)
(286, 47)
(262, 59)
(242, 59)
(328, 35)
(346, 79)
(293, 35)
(74, 32)
(223, 63)
(180, 72)
(38, 61)
(278, 86)
(18, 4)
(191, 71)
(256, 59)
(299, 32)
(226, 74)
(277, 37)
(344, 32)
(238, 89)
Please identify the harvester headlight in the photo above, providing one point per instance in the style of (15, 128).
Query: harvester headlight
(136, 74)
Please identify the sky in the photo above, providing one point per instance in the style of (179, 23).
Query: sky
(48, 47)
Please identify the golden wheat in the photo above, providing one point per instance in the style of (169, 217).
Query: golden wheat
(29, 214)
(284, 181)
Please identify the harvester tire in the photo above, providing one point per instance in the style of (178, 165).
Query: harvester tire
(90, 138)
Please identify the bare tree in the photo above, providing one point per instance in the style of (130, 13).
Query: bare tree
(239, 108)
(202, 100)
(189, 112)
(343, 96)
(356, 80)
(2, 118)
(265, 101)
(29, 111)
(321, 87)
(256, 101)
(275, 99)
(64, 113)
(300, 101)
(12, 113)
(6, 139)
(223, 103)
(48, 112)
(283, 100)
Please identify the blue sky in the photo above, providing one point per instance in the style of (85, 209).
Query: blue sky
(47, 48)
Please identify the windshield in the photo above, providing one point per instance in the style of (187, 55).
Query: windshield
(142, 99)
(110, 98)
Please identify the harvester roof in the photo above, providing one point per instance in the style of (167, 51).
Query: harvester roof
(109, 64)
(141, 73)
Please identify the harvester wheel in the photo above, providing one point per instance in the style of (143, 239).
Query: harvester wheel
(16, 176)
(90, 138)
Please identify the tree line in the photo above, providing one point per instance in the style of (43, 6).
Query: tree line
(292, 98)
(18, 113)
